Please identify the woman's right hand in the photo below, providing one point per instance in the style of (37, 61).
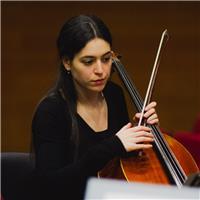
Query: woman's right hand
(135, 138)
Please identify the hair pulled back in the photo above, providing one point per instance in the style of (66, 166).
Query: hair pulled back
(73, 37)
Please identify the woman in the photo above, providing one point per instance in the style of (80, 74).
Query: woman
(82, 123)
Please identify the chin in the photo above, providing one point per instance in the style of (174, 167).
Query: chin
(98, 88)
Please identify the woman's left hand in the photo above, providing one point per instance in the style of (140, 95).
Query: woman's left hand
(150, 114)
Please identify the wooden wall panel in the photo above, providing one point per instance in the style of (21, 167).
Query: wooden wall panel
(29, 57)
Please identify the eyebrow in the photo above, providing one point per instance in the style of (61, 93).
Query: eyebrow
(88, 56)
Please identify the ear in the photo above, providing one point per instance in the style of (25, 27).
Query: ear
(66, 64)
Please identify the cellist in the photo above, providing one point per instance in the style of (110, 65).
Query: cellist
(82, 123)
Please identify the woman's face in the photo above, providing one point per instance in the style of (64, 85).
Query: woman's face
(91, 67)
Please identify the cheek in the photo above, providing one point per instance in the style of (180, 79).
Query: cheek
(81, 75)
(108, 69)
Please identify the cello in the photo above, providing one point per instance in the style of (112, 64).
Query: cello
(168, 161)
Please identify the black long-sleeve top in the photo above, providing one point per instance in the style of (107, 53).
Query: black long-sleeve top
(51, 139)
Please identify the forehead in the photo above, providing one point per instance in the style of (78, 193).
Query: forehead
(95, 47)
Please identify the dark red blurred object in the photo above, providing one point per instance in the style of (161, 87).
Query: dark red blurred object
(191, 140)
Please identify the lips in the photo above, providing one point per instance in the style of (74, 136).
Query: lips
(99, 82)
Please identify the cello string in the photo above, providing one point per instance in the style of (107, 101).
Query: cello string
(157, 139)
(165, 149)
(161, 140)
(163, 41)
(178, 169)
(139, 105)
(164, 35)
(126, 80)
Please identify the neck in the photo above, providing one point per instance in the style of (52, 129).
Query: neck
(89, 98)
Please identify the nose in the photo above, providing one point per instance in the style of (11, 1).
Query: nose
(98, 67)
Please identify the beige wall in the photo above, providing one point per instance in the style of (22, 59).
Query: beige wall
(29, 58)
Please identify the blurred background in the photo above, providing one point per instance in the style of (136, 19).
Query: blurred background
(29, 60)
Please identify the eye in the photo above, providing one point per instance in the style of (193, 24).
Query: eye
(106, 59)
(88, 61)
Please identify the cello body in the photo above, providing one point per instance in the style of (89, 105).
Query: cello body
(147, 166)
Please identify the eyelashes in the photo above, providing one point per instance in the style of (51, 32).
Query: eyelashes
(89, 61)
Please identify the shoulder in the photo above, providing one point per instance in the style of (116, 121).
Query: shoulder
(51, 118)
(51, 108)
(52, 103)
